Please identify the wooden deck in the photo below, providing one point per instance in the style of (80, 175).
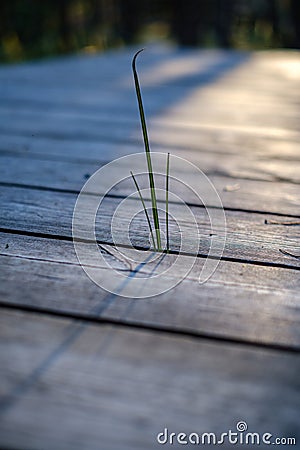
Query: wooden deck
(84, 369)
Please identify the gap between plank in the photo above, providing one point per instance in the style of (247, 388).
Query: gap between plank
(89, 319)
(64, 158)
(119, 196)
(199, 255)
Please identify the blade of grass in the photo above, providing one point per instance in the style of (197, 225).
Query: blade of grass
(145, 209)
(167, 201)
(147, 149)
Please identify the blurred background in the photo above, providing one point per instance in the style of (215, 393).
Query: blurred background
(31, 29)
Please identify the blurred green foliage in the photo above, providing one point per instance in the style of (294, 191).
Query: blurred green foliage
(37, 28)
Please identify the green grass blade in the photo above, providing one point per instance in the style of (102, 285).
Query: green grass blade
(167, 201)
(147, 149)
(145, 209)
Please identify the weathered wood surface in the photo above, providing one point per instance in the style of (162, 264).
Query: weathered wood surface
(238, 193)
(222, 308)
(133, 380)
(82, 368)
(248, 165)
(249, 238)
(163, 133)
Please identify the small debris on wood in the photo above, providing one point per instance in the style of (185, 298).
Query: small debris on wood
(284, 252)
(6, 246)
(287, 223)
(231, 187)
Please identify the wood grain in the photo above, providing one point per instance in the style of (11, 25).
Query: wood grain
(107, 126)
(245, 302)
(126, 381)
(83, 368)
(238, 193)
(83, 148)
(249, 238)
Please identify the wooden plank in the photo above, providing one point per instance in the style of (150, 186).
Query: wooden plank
(249, 237)
(243, 302)
(163, 132)
(275, 98)
(245, 166)
(171, 67)
(62, 251)
(275, 197)
(163, 61)
(115, 126)
(181, 69)
(86, 382)
(216, 108)
(187, 132)
(87, 93)
(219, 126)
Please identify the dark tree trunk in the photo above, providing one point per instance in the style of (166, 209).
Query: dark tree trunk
(130, 19)
(186, 21)
(224, 16)
(295, 13)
